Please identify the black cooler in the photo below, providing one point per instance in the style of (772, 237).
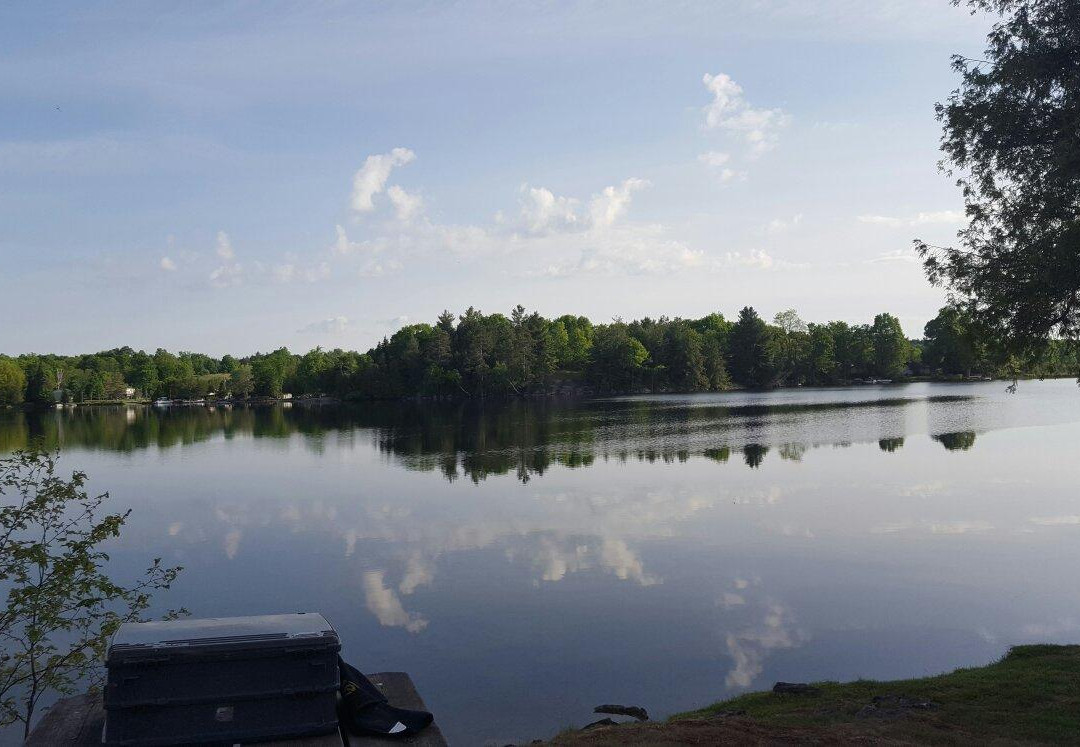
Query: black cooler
(221, 680)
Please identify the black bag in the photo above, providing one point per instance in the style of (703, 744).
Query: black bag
(366, 712)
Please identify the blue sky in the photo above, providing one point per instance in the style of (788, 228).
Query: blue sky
(237, 177)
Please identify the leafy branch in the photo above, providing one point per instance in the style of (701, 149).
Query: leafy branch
(62, 608)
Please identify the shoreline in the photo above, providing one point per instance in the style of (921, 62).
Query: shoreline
(1028, 696)
(578, 394)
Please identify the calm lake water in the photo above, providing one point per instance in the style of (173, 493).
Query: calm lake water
(526, 562)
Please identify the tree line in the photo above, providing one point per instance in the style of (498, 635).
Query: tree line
(478, 355)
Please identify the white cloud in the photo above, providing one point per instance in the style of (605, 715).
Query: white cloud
(939, 217)
(288, 272)
(335, 325)
(378, 253)
(227, 275)
(755, 259)
(896, 255)
(168, 265)
(955, 217)
(371, 178)
(232, 543)
(557, 235)
(385, 604)
(542, 211)
(716, 161)
(617, 557)
(714, 158)
(376, 268)
(418, 572)
(960, 527)
(612, 202)
(781, 225)
(342, 245)
(1056, 521)
(881, 220)
(406, 205)
(616, 250)
(224, 246)
(924, 489)
(555, 560)
(729, 110)
(749, 648)
(229, 272)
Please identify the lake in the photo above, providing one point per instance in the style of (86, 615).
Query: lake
(525, 562)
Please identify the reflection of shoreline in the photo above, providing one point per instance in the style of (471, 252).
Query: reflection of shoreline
(521, 438)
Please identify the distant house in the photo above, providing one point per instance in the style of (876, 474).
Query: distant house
(286, 395)
(129, 392)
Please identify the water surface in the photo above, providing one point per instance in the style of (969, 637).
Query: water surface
(528, 561)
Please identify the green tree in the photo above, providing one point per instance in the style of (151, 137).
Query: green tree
(716, 373)
(891, 348)
(62, 608)
(12, 383)
(268, 377)
(310, 372)
(143, 374)
(854, 350)
(524, 352)
(472, 345)
(1010, 136)
(686, 359)
(579, 340)
(751, 353)
(38, 383)
(822, 363)
(790, 347)
(616, 359)
(951, 344)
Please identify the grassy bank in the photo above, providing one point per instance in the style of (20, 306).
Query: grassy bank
(1031, 696)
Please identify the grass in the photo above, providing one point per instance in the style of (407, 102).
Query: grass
(1032, 695)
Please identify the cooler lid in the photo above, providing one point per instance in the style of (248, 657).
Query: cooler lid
(187, 633)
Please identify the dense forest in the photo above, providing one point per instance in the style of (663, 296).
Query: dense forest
(477, 355)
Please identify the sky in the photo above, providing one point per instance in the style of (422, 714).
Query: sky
(234, 177)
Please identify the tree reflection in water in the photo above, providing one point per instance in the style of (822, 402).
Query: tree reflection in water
(478, 440)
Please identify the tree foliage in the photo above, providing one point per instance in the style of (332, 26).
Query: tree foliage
(12, 382)
(523, 354)
(62, 607)
(1010, 137)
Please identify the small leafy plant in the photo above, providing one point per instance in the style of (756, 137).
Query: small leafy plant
(62, 607)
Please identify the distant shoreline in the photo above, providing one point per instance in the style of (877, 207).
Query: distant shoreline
(580, 394)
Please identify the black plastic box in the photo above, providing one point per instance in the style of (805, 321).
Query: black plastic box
(221, 679)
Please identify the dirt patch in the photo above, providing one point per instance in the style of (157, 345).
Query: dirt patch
(714, 731)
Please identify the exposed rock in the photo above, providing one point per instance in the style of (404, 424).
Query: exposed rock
(794, 688)
(620, 710)
(601, 722)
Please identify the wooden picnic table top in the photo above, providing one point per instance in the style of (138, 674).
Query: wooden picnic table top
(79, 721)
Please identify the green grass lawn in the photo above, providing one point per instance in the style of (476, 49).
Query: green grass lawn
(1032, 694)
